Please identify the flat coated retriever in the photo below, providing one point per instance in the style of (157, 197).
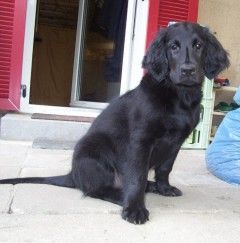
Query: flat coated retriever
(145, 127)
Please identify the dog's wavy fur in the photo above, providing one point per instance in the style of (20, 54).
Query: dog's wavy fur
(145, 127)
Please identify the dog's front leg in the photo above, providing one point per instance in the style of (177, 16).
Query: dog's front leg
(134, 183)
(162, 178)
(162, 171)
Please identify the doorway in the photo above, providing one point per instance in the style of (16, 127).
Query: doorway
(77, 36)
(53, 52)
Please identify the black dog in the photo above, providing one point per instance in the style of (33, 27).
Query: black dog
(146, 127)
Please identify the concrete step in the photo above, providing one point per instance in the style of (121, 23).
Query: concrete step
(22, 127)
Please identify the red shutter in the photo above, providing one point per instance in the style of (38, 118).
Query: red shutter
(161, 12)
(12, 28)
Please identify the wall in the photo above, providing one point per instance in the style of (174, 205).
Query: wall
(222, 17)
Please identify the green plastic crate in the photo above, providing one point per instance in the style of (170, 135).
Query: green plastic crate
(199, 138)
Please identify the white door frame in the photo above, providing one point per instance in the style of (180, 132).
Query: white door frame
(77, 60)
(134, 48)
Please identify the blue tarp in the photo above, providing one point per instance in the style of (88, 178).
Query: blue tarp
(223, 154)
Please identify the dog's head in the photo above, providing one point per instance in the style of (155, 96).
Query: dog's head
(184, 53)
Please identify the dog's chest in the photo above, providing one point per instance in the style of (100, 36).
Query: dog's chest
(179, 120)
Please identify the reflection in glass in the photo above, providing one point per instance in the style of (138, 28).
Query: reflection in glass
(102, 43)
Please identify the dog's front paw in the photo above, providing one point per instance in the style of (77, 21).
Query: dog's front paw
(169, 191)
(135, 215)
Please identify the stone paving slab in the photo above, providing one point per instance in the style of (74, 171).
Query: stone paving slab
(190, 160)
(9, 171)
(198, 199)
(196, 179)
(42, 143)
(6, 192)
(48, 158)
(46, 199)
(29, 129)
(13, 153)
(42, 172)
(208, 211)
(91, 228)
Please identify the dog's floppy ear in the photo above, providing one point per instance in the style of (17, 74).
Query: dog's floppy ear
(155, 61)
(216, 59)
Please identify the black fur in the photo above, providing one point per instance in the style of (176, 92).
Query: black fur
(146, 127)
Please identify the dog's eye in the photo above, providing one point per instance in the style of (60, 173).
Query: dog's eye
(174, 47)
(198, 46)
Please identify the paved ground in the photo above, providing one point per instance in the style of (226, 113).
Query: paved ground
(208, 211)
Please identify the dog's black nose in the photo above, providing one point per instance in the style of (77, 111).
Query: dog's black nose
(188, 70)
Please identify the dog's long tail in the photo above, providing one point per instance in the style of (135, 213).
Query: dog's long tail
(63, 180)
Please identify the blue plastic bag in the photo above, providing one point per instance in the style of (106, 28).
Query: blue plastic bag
(223, 154)
(237, 96)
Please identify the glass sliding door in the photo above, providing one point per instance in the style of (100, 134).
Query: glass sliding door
(99, 51)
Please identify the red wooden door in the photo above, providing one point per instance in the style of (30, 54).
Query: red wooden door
(12, 28)
(161, 12)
